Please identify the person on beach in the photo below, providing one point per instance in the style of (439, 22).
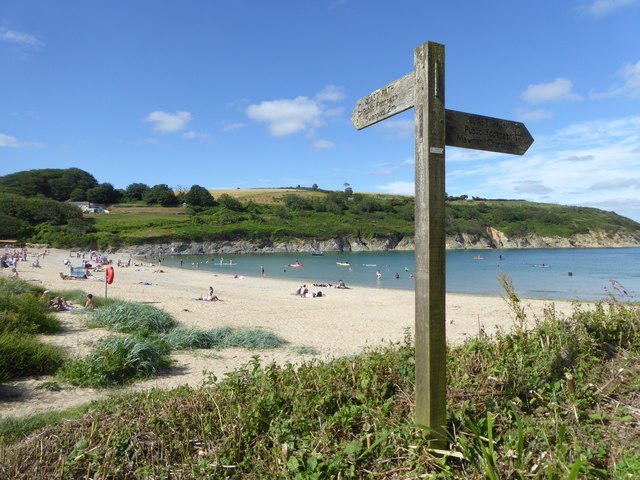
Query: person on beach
(341, 284)
(59, 304)
(210, 296)
(90, 303)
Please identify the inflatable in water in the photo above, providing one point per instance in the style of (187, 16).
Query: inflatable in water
(344, 264)
(296, 265)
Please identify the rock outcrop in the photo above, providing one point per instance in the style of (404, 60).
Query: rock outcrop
(490, 239)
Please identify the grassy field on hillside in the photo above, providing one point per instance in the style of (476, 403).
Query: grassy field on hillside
(301, 213)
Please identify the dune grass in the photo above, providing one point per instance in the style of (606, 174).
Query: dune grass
(116, 361)
(223, 337)
(23, 314)
(128, 317)
(22, 355)
(24, 310)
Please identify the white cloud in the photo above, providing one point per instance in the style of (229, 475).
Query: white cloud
(531, 186)
(228, 127)
(400, 188)
(7, 141)
(535, 115)
(602, 8)
(330, 93)
(168, 123)
(578, 158)
(557, 91)
(23, 39)
(617, 183)
(630, 74)
(323, 145)
(301, 114)
(191, 134)
(285, 117)
(400, 128)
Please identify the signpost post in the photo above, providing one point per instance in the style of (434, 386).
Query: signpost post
(434, 127)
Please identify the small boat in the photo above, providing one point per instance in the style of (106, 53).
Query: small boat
(343, 264)
(296, 265)
(317, 254)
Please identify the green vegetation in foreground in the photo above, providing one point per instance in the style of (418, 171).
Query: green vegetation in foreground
(23, 314)
(115, 360)
(222, 337)
(558, 400)
(127, 317)
(142, 214)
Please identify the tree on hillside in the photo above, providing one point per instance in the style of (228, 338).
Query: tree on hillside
(160, 195)
(51, 183)
(78, 195)
(103, 193)
(136, 191)
(198, 196)
(37, 210)
(296, 202)
(230, 202)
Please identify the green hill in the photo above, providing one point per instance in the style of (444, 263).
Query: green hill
(152, 215)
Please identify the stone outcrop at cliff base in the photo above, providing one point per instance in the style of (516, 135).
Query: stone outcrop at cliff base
(491, 239)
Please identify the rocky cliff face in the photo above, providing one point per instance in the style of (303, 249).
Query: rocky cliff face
(491, 239)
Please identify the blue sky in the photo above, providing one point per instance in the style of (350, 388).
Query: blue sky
(257, 93)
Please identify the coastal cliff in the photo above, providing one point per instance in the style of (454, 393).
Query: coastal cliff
(490, 239)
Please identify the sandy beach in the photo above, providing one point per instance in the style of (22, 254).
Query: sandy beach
(341, 322)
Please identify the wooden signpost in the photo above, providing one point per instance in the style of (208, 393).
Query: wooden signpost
(434, 127)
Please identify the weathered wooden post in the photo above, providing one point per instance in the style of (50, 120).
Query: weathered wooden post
(434, 128)
(431, 341)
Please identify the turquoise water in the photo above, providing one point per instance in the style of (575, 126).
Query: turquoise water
(536, 273)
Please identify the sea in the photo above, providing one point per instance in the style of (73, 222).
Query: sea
(567, 274)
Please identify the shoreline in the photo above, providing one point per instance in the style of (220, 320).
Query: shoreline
(342, 322)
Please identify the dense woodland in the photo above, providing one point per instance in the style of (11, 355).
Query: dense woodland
(33, 207)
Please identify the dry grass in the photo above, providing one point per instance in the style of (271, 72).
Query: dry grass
(268, 196)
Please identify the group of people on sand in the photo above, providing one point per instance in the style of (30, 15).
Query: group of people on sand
(60, 304)
(340, 284)
(304, 292)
